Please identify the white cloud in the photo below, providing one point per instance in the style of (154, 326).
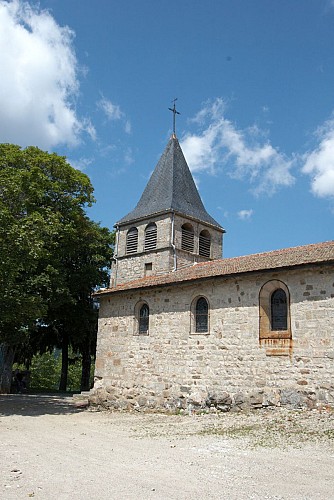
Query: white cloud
(219, 143)
(128, 127)
(81, 163)
(90, 129)
(38, 81)
(245, 214)
(114, 113)
(320, 162)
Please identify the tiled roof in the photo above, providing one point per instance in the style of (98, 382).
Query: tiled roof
(278, 259)
(171, 188)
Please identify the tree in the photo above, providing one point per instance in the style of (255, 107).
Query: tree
(83, 260)
(42, 215)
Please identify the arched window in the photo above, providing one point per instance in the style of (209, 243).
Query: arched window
(201, 315)
(132, 240)
(279, 310)
(275, 322)
(144, 316)
(204, 243)
(187, 238)
(150, 236)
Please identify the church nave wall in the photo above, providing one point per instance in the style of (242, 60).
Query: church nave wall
(228, 366)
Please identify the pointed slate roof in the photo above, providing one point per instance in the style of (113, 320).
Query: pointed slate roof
(171, 188)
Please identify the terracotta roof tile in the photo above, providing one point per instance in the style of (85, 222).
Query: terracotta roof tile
(278, 259)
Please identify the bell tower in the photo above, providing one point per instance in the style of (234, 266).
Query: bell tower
(169, 228)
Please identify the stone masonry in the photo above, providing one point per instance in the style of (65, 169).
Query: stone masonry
(227, 368)
(182, 328)
(168, 253)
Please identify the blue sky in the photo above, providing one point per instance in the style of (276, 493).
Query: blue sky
(93, 80)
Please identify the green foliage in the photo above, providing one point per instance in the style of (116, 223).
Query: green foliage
(45, 372)
(52, 254)
(47, 243)
(41, 196)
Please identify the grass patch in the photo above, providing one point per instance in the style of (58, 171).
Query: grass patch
(280, 432)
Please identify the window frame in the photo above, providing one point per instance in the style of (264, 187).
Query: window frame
(265, 311)
(137, 319)
(150, 242)
(206, 239)
(187, 233)
(277, 316)
(194, 317)
(128, 243)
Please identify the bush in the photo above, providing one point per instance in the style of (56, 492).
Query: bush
(45, 372)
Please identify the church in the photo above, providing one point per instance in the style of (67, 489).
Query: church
(181, 327)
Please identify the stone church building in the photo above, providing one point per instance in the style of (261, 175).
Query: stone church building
(182, 327)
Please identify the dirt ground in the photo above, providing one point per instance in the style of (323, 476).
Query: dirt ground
(50, 449)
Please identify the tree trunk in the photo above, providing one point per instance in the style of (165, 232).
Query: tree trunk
(6, 367)
(64, 363)
(85, 369)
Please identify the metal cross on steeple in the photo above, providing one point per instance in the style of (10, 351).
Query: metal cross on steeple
(173, 109)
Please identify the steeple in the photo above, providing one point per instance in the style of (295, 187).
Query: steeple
(171, 188)
(169, 228)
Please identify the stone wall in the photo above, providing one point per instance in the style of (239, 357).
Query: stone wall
(216, 237)
(129, 267)
(163, 223)
(228, 368)
(142, 264)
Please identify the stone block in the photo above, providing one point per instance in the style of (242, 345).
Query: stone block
(255, 400)
(142, 401)
(293, 398)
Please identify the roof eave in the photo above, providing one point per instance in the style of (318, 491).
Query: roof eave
(228, 275)
(165, 212)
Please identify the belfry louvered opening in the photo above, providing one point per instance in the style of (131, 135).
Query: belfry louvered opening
(204, 243)
(132, 240)
(187, 239)
(150, 236)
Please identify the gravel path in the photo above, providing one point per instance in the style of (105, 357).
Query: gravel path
(52, 450)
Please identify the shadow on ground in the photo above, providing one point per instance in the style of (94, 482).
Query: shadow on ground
(35, 405)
